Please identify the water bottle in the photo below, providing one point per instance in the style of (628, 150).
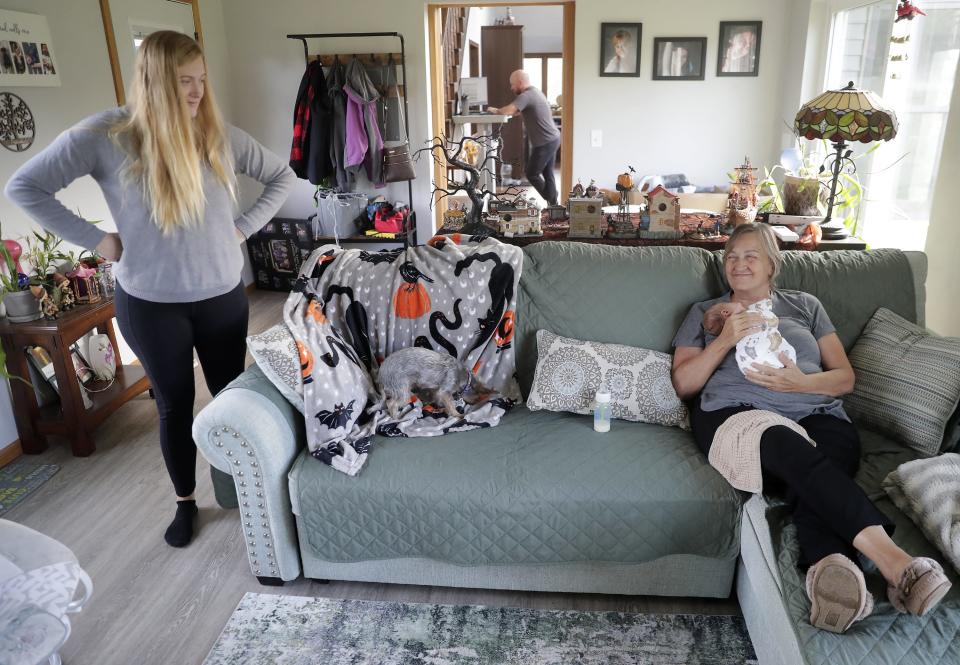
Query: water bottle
(601, 410)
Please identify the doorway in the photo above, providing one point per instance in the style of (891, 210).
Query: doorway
(456, 52)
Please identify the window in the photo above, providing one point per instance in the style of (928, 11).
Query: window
(546, 73)
(911, 65)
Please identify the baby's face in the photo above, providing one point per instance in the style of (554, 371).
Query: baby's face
(716, 316)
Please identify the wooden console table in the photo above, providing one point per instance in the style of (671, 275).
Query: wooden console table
(68, 418)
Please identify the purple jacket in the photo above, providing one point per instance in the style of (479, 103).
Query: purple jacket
(364, 145)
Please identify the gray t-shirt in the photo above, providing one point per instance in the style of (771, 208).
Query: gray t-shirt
(537, 117)
(189, 264)
(803, 321)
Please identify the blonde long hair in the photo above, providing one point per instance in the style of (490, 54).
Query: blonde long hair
(167, 148)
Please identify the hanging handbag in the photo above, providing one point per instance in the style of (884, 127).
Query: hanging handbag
(397, 163)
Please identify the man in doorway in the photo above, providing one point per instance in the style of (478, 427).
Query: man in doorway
(543, 134)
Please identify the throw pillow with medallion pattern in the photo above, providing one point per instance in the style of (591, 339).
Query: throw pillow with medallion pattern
(569, 372)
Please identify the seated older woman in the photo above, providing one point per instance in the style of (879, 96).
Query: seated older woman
(833, 516)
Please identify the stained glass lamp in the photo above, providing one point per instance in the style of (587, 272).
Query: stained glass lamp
(848, 115)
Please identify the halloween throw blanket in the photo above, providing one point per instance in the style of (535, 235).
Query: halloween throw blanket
(351, 308)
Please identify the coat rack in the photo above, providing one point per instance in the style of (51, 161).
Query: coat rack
(410, 236)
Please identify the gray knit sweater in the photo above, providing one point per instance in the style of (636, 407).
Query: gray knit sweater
(190, 264)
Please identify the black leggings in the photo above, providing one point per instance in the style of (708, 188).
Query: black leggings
(829, 508)
(164, 335)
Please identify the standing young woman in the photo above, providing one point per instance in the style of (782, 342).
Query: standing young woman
(166, 163)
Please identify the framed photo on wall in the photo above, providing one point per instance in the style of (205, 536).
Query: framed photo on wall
(620, 49)
(679, 58)
(738, 49)
(26, 50)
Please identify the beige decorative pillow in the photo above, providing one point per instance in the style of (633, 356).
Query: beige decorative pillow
(908, 381)
(569, 372)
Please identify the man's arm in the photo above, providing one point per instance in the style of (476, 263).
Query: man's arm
(509, 109)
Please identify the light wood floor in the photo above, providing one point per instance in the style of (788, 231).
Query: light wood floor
(156, 604)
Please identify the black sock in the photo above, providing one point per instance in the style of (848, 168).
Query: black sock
(180, 531)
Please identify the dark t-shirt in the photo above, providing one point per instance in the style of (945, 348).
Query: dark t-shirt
(803, 321)
(537, 117)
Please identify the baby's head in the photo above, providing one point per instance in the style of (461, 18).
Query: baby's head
(717, 315)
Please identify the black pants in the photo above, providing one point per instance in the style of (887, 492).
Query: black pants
(164, 335)
(539, 172)
(829, 508)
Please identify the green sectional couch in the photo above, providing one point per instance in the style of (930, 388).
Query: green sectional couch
(541, 502)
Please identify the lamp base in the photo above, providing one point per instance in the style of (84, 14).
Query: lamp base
(834, 230)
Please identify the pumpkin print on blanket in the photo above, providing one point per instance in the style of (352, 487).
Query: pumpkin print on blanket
(412, 300)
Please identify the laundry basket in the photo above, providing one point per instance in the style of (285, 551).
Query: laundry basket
(337, 214)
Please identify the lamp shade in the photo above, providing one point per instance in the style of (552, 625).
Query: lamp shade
(847, 114)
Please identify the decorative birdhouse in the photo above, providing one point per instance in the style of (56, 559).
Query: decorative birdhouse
(85, 285)
(586, 218)
(663, 209)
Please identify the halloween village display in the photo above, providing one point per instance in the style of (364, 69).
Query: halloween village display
(471, 155)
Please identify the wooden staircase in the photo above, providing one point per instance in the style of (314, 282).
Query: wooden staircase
(454, 22)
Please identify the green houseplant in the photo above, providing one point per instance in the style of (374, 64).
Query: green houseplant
(803, 188)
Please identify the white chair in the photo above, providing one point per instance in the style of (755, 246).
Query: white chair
(39, 578)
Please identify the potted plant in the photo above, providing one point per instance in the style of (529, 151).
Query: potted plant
(18, 301)
(806, 186)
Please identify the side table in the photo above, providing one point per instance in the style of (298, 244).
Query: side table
(69, 418)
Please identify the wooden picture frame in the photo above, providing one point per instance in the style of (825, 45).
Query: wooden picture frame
(687, 59)
(620, 45)
(738, 48)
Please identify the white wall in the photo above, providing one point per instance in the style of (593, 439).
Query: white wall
(76, 30)
(943, 236)
(701, 128)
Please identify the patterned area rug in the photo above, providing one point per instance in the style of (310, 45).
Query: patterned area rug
(300, 631)
(19, 478)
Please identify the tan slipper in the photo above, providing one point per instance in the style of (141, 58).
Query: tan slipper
(838, 594)
(921, 586)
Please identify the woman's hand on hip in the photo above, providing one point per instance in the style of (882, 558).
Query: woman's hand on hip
(786, 379)
(739, 326)
(110, 248)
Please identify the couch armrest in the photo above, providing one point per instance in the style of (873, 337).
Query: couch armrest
(251, 432)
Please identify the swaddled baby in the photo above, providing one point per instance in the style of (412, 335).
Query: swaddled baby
(762, 347)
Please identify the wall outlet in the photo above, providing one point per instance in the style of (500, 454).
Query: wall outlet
(596, 138)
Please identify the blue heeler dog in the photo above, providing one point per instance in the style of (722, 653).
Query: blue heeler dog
(436, 378)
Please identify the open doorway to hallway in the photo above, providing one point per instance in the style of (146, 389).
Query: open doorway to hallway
(474, 49)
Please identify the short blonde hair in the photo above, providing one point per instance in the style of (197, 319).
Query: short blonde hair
(768, 243)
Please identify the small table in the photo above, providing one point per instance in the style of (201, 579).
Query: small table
(69, 418)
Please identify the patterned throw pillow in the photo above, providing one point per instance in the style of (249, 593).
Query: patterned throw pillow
(275, 352)
(569, 372)
(908, 381)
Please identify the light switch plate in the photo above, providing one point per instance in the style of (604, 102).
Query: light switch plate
(596, 138)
